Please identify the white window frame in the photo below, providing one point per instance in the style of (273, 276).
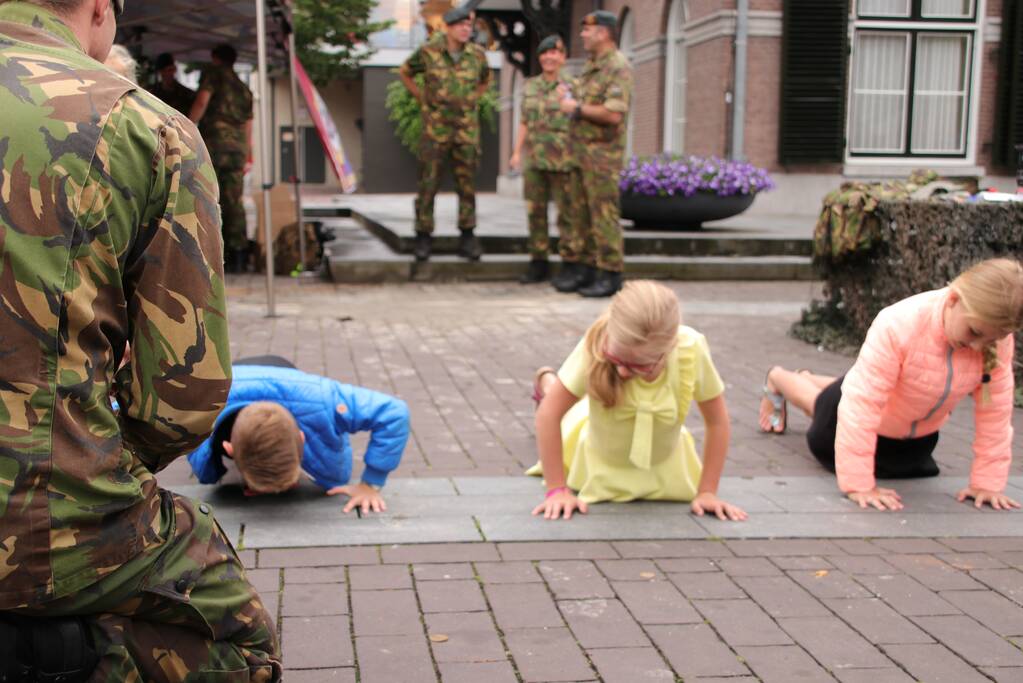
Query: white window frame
(678, 16)
(966, 162)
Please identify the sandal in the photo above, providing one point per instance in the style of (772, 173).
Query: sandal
(779, 417)
(537, 395)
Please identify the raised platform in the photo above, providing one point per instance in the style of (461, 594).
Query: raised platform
(374, 238)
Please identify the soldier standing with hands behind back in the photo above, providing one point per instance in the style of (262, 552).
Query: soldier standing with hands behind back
(544, 132)
(598, 110)
(456, 75)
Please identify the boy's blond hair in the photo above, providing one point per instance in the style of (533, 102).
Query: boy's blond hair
(644, 313)
(267, 445)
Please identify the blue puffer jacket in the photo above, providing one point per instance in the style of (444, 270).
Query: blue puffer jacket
(326, 412)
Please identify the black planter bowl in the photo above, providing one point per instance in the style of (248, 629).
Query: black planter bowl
(681, 213)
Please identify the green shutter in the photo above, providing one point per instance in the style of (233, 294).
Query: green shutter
(1009, 130)
(815, 62)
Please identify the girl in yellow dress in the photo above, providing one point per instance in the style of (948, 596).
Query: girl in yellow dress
(610, 423)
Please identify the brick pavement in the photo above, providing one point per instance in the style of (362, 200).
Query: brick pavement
(852, 610)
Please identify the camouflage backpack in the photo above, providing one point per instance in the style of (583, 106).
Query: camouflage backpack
(287, 255)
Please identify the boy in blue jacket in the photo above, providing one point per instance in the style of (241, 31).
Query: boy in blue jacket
(279, 421)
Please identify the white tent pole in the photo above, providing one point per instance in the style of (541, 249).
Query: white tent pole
(297, 144)
(264, 155)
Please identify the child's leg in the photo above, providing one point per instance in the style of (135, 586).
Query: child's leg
(820, 380)
(798, 388)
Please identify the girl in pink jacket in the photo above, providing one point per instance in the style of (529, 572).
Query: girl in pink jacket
(921, 356)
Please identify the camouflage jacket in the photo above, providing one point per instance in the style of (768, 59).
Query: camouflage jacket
(109, 235)
(178, 96)
(451, 106)
(230, 108)
(547, 128)
(605, 80)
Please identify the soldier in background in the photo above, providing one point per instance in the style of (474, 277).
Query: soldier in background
(112, 288)
(598, 108)
(223, 110)
(456, 75)
(544, 131)
(167, 87)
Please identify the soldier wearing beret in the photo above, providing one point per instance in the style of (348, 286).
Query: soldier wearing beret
(543, 132)
(598, 107)
(167, 88)
(455, 74)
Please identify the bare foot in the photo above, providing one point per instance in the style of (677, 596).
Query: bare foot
(773, 409)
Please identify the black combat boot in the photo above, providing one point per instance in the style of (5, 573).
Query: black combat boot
(579, 275)
(538, 271)
(424, 241)
(469, 245)
(606, 283)
(45, 649)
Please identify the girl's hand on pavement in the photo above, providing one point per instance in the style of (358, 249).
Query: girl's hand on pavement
(882, 499)
(998, 501)
(709, 502)
(561, 503)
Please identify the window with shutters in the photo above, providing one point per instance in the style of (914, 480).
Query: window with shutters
(911, 78)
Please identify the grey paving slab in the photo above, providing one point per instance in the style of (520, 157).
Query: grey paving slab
(588, 527)
(365, 531)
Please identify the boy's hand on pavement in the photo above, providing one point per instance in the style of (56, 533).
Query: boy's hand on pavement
(882, 499)
(998, 501)
(361, 496)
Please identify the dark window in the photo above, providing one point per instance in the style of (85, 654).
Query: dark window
(313, 159)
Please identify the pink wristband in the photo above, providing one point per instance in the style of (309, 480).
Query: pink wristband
(555, 490)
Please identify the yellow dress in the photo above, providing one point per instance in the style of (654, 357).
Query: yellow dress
(640, 449)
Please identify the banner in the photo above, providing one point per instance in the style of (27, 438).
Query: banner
(329, 135)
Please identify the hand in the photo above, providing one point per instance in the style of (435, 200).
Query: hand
(515, 163)
(567, 105)
(709, 502)
(882, 499)
(562, 502)
(360, 495)
(998, 501)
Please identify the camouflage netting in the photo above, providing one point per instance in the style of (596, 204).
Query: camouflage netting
(908, 247)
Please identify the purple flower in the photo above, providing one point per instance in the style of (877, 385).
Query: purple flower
(667, 175)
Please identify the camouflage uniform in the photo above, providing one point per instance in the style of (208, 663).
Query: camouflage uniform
(548, 169)
(599, 151)
(223, 129)
(108, 235)
(178, 96)
(451, 124)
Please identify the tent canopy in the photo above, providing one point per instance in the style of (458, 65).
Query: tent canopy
(190, 28)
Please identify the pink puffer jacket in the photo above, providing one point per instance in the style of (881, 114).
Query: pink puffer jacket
(906, 381)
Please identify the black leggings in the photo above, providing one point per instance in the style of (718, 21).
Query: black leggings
(893, 459)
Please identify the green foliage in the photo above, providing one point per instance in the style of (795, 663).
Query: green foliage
(405, 112)
(332, 36)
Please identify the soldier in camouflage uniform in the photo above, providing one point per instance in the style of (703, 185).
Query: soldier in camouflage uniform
(599, 108)
(167, 87)
(223, 110)
(543, 131)
(111, 289)
(455, 75)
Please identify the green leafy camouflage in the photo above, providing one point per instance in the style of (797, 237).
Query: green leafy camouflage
(109, 234)
(433, 158)
(451, 89)
(177, 96)
(229, 109)
(599, 150)
(539, 187)
(547, 136)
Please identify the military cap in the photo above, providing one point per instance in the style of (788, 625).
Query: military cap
(550, 43)
(457, 14)
(163, 60)
(601, 17)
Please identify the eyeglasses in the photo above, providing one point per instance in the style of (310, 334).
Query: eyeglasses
(633, 367)
(118, 7)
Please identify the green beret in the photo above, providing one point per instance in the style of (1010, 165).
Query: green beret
(457, 14)
(550, 43)
(601, 18)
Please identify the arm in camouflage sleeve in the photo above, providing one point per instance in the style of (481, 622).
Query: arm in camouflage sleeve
(179, 372)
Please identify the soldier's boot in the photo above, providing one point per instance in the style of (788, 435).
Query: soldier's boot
(538, 271)
(573, 276)
(45, 649)
(606, 283)
(424, 242)
(240, 260)
(469, 246)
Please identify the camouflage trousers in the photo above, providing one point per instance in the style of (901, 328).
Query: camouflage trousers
(181, 612)
(230, 167)
(598, 236)
(539, 187)
(463, 159)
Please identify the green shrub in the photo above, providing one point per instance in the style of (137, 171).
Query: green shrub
(405, 112)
